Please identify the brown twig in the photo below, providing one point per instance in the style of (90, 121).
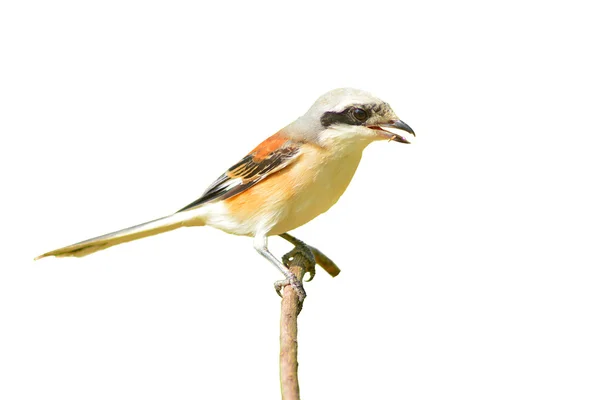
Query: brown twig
(290, 308)
(300, 260)
(325, 262)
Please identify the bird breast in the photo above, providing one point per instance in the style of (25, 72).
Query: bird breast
(316, 183)
(288, 198)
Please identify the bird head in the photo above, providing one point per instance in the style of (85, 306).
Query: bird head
(348, 117)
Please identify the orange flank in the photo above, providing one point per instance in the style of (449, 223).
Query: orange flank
(275, 188)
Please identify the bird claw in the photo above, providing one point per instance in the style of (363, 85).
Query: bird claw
(294, 283)
(301, 249)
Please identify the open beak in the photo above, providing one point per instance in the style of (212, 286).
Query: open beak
(396, 124)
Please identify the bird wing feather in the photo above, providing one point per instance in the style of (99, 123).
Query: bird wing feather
(270, 156)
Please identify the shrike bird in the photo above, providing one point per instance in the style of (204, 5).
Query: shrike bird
(286, 181)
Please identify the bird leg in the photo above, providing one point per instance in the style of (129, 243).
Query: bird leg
(260, 244)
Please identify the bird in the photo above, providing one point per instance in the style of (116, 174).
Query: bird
(286, 181)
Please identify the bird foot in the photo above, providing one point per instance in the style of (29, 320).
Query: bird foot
(294, 283)
(303, 250)
(325, 262)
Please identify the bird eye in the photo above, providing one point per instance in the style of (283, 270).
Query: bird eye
(359, 114)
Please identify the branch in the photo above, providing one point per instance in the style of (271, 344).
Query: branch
(301, 261)
(325, 262)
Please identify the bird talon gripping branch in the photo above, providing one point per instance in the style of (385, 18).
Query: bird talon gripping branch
(307, 260)
(286, 181)
(294, 283)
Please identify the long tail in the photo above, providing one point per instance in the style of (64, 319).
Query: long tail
(125, 235)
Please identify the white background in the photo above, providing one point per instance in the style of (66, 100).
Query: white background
(470, 266)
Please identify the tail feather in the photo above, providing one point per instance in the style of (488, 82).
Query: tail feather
(124, 235)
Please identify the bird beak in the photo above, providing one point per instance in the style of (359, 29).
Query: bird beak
(396, 124)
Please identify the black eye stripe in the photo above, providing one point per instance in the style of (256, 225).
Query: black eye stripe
(344, 117)
(330, 118)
